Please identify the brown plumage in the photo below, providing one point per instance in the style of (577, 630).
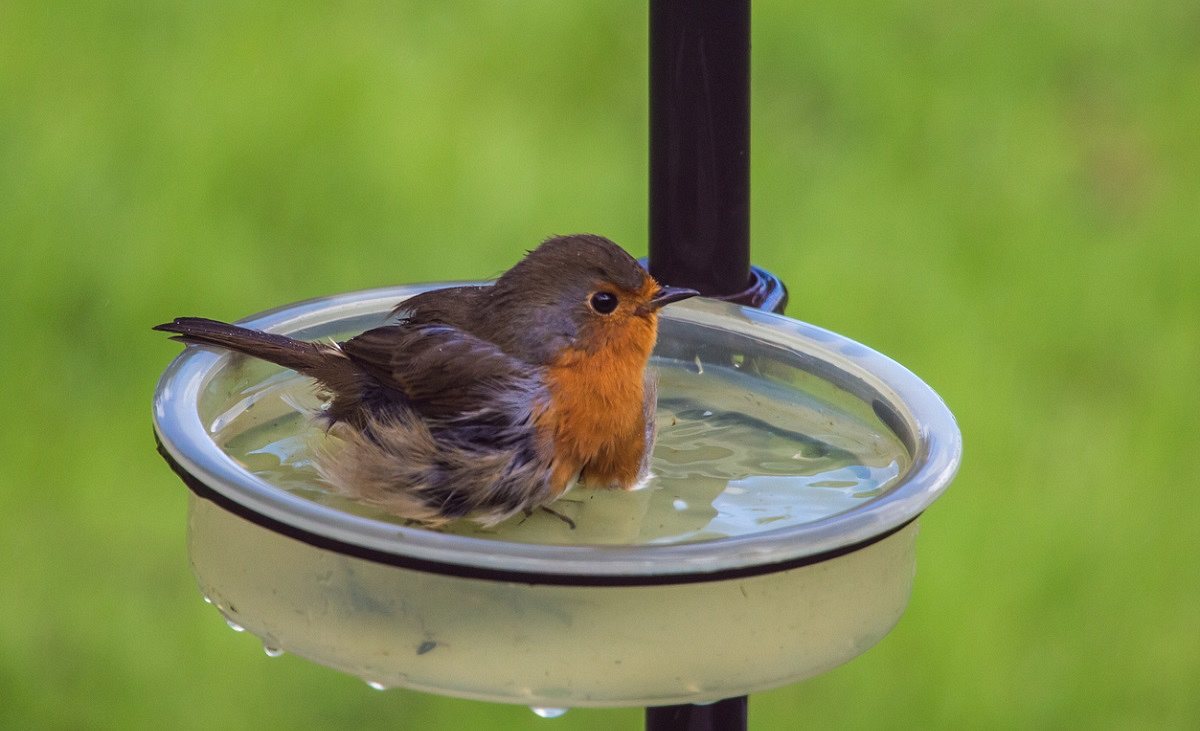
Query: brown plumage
(490, 400)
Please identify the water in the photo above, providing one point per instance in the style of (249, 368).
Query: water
(549, 712)
(736, 454)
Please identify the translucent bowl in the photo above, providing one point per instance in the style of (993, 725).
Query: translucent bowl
(562, 625)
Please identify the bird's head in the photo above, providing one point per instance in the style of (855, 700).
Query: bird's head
(579, 293)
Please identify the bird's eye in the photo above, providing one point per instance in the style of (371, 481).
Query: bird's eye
(604, 302)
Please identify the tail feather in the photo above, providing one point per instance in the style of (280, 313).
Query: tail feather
(312, 359)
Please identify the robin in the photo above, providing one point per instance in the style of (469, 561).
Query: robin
(487, 401)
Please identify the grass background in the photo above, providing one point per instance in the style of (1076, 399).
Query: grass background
(1003, 197)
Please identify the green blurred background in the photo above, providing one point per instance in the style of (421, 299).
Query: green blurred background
(1003, 197)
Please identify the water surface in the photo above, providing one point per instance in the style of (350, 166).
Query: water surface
(736, 453)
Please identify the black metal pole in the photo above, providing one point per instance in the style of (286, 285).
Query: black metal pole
(700, 143)
(700, 151)
(700, 198)
(726, 715)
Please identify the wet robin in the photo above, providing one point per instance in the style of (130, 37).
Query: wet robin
(487, 401)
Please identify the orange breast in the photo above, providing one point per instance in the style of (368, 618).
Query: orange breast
(596, 413)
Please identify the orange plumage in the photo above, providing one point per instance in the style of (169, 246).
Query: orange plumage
(598, 389)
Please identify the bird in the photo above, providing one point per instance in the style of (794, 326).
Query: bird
(483, 402)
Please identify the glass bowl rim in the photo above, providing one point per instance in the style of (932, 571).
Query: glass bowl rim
(933, 439)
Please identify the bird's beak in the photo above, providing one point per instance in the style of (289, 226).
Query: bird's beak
(666, 295)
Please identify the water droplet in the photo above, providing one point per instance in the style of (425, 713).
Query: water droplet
(272, 650)
(376, 685)
(549, 712)
(679, 504)
(207, 599)
(234, 625)
(707, 413)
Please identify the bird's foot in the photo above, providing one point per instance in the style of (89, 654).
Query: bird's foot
(560, 516)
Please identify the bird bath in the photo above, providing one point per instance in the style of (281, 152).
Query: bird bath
(719, 578)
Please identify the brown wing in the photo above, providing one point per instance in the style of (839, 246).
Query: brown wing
(444, 374)
(446, 426)
(456, 306)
